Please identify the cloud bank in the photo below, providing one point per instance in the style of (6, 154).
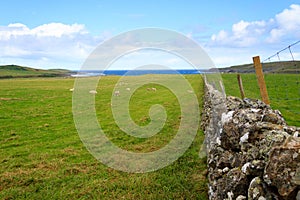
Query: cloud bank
(285, 25)
(250, 38)
(49, 43)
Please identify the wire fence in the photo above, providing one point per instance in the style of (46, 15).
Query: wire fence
(286, 61)
(282, 78)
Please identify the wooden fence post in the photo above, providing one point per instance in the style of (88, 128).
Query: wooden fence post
(241, 86)
(261, 80)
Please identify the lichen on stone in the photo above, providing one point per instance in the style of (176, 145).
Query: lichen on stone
(251, 152)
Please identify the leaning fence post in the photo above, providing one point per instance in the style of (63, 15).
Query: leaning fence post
(261, 80)
(239, 78)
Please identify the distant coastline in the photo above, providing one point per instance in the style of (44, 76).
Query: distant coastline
(16, 71)
(86, 73)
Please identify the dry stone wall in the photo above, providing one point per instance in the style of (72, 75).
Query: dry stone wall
(251, 152)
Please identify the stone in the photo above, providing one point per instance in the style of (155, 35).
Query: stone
(251, 152)
(232, 182)
(246, 167)
(230, 137)
(241, 197)
(282, 167)
(257, 190)
(298, 196)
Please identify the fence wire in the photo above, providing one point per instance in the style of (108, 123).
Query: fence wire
(282, 77)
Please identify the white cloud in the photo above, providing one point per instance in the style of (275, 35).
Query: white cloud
(249, 33)
(11, 50)
(287, 24)
(45, 30)
(58, 30)
(53, 42)
(242, 34)
(246, 39)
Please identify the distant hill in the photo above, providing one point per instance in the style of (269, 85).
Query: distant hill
(270, 67)
(16, 71)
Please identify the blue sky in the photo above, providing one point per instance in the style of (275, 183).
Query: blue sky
(61, 34)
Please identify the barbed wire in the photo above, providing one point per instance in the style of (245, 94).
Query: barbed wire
(278, 52)
(283, 82)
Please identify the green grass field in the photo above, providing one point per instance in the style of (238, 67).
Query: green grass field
(283, 90)
(42, 156)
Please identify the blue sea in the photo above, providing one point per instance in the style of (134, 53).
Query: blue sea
(84, 73)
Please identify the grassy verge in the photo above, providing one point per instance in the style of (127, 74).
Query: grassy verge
(42, 157)
(283, 90)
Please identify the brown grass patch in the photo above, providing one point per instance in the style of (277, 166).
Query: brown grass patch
(8, 99)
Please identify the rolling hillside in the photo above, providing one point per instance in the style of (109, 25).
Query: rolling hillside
(290, 67)
(15, 71)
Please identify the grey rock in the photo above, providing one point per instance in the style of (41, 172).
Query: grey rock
(282, 168)
(251, 152)
(257, 190)
(241, 197)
